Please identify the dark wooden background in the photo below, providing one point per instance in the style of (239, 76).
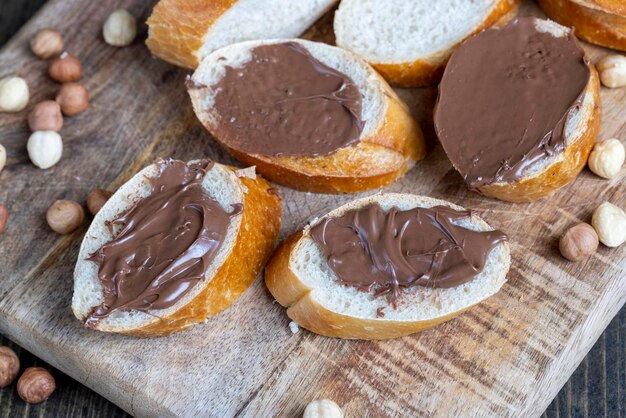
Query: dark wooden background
(596, 389)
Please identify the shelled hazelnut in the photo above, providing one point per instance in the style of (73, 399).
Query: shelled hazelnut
(609, 221)
(579, 242)
(65, 68)
(607, 158)
(73, 99)
(3, 157)
(13, 94)
(9, 366)
(45, 116)
(35, 385)
(44, 148)
(324, 408)
(96, 199)
(47, 43)
(120, 28)
(65, 216)
(4, 218)
(612, 69)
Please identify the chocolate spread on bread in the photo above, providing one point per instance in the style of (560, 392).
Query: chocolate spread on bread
(505, 99)
(284, 102)
(165, 243)
(382, 252)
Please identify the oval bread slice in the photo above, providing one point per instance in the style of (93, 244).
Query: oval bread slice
(249, 241)
(593, 24)
(581, 131)
(182, 32)
(299, 278)
(409, 42)
(389, 145)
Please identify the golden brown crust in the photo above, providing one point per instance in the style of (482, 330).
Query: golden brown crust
(290, 292)
(610, 6)
(592, 25)
(177, 28)
(374, 162)
(428, 72)
(257, 236)
(561, 172)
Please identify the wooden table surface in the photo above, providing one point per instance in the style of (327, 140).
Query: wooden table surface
(596, 389)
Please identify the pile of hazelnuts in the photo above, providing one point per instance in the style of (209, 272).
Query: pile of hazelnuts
(35, 385)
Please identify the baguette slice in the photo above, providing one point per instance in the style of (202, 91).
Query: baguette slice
(389, 145)
(410, 42)
(249, 241)
(617, 7)
(593, 24)
(299, 278)
(182, 32)
(582, 128)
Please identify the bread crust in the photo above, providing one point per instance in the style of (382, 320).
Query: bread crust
(374, 162)
(256, 240)
(617, 7)
(426, 72)
(592, 25)
(561, 172)
(177, 28)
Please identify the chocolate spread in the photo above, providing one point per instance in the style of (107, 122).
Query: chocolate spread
(284, 102)
(384, 252)
(505, 98)
(165, 243)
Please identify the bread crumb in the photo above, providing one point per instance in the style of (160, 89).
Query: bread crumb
(249, 172)
(294, 327)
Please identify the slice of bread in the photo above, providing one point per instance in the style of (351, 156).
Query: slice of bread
(249, 241)
(390, 142)
(183, 32)
(409, 42)
(593, 24)
(582, 128)
(299, 278)
(617, 7)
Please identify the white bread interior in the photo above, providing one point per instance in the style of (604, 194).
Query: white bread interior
(213, 67)
(261, 19)
(416, 303)
(220, 183)
(395, 32)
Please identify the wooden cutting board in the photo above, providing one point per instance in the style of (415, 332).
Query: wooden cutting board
(506, 357)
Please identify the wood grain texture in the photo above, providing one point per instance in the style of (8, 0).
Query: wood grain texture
(506, 357)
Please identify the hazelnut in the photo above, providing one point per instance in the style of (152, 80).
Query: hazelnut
(13, 94)
(35, 385)
(45, 116)
(65, 68)
(96, 199)
(47, 43)
(65, 216)
(578, 242)
(3, 157)
(606, 158)
(609, 222)
(73, 99)
(44, 148)
(120, 28)
(323, 409)
(9, 366)
(4, 218)
(612, 70)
